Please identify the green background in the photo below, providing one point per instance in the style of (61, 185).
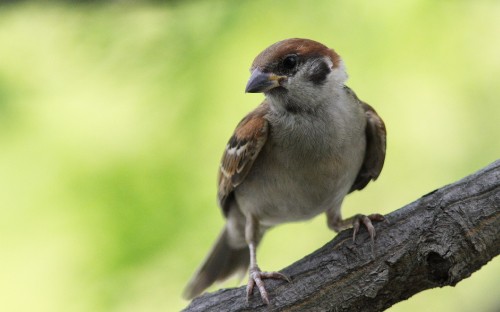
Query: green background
(113, 118)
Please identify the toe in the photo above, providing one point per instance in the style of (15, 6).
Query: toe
(369, 226)
(250, 285)
(355, 228)
(276, 275)
(262, 290)
(376, 217)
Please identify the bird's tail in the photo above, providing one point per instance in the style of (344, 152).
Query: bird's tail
(222, 262)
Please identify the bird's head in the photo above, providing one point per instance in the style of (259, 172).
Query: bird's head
(297, 73)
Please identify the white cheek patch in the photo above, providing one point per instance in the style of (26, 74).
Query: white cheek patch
(328, 61)
(339, 73)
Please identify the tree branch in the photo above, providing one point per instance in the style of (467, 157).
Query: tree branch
(437, 240)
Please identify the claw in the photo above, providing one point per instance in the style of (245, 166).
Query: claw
(367, 222)
(256, 278)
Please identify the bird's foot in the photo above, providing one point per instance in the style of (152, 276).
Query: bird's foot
(367, 222)
(256, 277)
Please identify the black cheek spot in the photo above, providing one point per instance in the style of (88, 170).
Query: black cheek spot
(319, 74)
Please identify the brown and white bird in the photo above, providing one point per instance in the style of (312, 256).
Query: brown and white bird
(298, 154)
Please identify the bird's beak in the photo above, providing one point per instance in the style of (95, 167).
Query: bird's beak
(262, 82)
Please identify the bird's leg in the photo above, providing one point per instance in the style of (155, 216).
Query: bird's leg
(336, 223)
(256, 276)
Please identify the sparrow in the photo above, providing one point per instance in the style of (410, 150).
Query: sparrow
(298, 154)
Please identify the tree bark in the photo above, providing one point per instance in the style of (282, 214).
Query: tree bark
(438, 240)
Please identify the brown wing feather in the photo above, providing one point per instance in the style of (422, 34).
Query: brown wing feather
(375, 147)
(240, 153)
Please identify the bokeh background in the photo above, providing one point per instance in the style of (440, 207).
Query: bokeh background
(113, 118)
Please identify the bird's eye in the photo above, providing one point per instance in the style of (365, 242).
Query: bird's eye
(290, 62)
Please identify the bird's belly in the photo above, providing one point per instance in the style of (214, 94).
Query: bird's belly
(289, 207)
(283, 195)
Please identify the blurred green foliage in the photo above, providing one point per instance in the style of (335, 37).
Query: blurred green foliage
(113, 118)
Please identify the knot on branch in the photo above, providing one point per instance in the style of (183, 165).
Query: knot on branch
(438, 268)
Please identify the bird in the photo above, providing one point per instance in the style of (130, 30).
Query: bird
(309, 143)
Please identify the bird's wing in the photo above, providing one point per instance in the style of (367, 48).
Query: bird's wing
(241, 151)
(375, 148)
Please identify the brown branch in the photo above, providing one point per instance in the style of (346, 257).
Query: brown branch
(437, 240)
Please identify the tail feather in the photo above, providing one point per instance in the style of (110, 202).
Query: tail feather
(222, 262)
